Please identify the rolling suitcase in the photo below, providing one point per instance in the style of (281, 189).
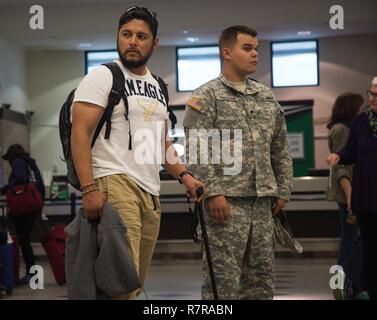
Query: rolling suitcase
(54, 245)
(6, 257)
(6, 268)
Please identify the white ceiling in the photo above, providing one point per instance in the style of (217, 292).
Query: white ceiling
(69, 23)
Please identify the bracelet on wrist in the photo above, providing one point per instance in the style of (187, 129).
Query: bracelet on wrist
(88, 186)
(182, 174)
(89, 190)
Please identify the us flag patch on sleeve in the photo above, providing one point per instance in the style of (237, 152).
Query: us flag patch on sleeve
(196, 104)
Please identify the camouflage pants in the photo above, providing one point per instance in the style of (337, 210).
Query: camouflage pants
(242, 251)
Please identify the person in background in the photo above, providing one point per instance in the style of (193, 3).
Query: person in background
(23, 171)
(344, 111)
(361, 150)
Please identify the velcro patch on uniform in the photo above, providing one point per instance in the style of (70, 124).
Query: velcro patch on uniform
(265, 99)
(196, 104)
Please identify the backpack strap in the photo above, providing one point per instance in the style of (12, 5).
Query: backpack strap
(164, 88)
(116, 93)
(125, 100)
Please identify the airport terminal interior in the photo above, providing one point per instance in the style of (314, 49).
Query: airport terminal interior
(310, 52)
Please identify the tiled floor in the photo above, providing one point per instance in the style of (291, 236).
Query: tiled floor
(296, 279)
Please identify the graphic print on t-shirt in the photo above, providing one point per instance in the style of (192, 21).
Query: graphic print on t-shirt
(149, 108)
(143, 88)
(147, 114)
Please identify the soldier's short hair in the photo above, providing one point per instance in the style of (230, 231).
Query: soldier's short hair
(228, 36)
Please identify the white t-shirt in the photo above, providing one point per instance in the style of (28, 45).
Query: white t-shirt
(147, 115)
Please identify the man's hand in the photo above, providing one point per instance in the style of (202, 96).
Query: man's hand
(219, 208)
(93, 203)
(191, 184)
(280, 204)
(332, 159)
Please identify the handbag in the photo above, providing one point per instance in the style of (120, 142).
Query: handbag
(23, 199)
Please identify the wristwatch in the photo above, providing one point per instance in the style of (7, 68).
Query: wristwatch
(184, 172)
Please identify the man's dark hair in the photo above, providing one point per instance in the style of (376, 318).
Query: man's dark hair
(345, 109)
(141, 14)
(228, 36)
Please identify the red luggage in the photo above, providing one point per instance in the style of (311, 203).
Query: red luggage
(54, 244)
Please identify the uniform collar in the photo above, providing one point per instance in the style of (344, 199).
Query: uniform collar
(251, 87)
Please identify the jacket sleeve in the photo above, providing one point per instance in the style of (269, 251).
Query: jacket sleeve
(339, 136)
(19, 174)
(281, 160)
(199, 119)
(348, 154)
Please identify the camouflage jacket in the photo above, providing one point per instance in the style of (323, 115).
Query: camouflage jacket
(260, 143)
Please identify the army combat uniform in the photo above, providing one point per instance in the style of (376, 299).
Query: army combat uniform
(242, 248)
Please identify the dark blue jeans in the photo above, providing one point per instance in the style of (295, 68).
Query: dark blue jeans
(350, 250)
(368, 226)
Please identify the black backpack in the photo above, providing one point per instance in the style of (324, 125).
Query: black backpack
(116, 93)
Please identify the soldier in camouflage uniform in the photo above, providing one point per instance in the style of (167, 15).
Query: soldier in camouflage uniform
(240, 205)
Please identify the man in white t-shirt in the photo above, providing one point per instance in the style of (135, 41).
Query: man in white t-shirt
(122, 172)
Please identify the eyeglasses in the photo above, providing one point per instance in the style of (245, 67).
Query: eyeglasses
(142, 10)
(371, 94)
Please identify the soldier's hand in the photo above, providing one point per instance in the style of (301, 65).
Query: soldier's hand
(219, 208)
(93, 203)
(280, 204)
(191, 184)
(332, 159)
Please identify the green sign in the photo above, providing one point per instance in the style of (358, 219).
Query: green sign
(299, 118)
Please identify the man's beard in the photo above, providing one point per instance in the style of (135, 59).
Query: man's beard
(134, 63)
